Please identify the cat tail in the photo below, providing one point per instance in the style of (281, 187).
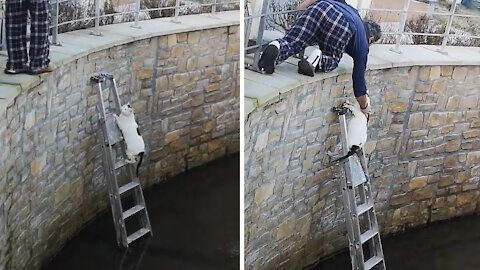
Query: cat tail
(140, 161)
(353, 150)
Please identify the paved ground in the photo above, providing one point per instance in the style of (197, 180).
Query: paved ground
(195, 219)
(450, 245)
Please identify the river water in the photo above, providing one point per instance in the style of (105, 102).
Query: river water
(195, 219)
(447, 245)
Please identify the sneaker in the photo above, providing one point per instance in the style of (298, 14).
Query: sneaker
(12, 71)
(267, 61)
(46, 69)
(305, 68)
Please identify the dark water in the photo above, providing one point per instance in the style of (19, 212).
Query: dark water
(447, 245)
(195, 218)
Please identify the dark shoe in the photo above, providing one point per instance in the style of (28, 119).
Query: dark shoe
(46, 69)
(12, 71)
(305, 68)
(267, 61)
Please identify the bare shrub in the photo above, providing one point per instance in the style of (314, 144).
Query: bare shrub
(153, 4)
(71, 11)
(283, 21)
(423, 24)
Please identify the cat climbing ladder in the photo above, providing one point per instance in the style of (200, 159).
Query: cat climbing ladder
(361, 220)
(116, 168)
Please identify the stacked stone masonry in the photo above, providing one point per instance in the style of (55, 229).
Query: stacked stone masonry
(184, 89)
(424, 158)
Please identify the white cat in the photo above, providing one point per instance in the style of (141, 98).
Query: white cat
(356, 129)
(129, 128)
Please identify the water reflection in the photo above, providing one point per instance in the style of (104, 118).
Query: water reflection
(196, 224)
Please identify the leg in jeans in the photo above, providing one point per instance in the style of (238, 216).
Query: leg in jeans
(39, 44)
(16, 30)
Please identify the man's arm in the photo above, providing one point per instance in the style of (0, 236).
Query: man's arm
(358, 75)
(359, 84)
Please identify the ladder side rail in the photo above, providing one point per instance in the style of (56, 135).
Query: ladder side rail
(346, 201)
(375, 243)
(111, 176)
(349, 223)
(145, 219)
(129, 167)
(365, 192)
(350, 226)
(113, 203)
(356, 223)
(372, 213)
(123, 146)
(378, 249)
(116, 97)
(138, 193)
(357, 263)
(368, 218)
(113, 192)
(110, 158)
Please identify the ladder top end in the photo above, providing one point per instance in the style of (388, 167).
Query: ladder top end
(102, 77)
(339, 110)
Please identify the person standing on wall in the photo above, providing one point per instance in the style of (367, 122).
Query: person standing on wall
(36, 60)
(335, 27)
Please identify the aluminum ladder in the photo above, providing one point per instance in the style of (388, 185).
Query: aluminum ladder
(361, 220)
(117, 170)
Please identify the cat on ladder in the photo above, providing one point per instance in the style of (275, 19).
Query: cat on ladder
(357, 127)
(131, 134)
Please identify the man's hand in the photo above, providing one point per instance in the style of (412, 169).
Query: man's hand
(365, 107)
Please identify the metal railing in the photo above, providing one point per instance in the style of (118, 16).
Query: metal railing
(134, 12)
(258, 41)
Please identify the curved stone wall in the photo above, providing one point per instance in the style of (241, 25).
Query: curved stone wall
(424, 156)
(184, 88)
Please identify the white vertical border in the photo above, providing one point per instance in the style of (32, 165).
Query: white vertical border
(242, 133)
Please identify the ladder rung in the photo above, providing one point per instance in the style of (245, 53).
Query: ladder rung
(127, 187)
(357, 181)
(368, 235)
(364, 207)
(119, 164)
(372, 262)
(137, 235)
(132, 211)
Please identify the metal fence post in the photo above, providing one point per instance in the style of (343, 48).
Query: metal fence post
(214, 7)
(359, 4)
(55, 23)
(177, 11)
(247, 22)
(96, 30)
(446, 36)
(261, 28)
(137, 14)
(401, 27)
(4, 35)
(359, 7)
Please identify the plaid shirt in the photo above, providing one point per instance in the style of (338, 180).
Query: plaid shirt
(321, 24)
(329, 24)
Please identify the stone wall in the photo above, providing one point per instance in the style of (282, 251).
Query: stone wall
(424, 145)
(184, 89)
